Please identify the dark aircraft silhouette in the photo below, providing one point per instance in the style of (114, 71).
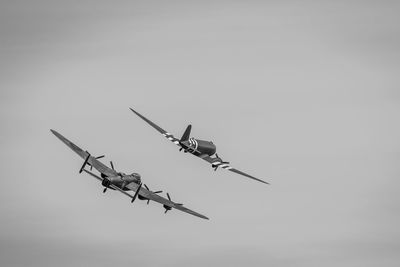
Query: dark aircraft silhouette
(200, 148)
(122, 182)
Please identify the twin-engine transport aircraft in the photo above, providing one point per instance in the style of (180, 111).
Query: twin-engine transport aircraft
(123, 182)
(200, 148)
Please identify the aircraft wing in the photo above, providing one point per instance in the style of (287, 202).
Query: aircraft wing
(151, 196)
(169, 136)
(216, 162)
(83, 154)
(154, 197)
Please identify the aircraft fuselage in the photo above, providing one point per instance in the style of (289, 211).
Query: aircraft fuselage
(203, 147)
(121, 180)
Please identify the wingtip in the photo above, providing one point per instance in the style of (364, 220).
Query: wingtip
(265, 182)
(262, 181)
(204, 217)
(134, 111)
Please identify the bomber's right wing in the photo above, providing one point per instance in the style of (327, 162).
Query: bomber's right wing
(85, 155)
(169, 136)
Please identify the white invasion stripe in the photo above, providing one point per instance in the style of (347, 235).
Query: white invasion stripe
(176, 142)
(228, 168)
(170, 138)
(217, 163)
(224, 165)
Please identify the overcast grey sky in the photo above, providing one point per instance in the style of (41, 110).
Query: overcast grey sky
(304, 95)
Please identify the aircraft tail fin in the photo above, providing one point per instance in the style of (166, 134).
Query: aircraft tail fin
(186, 134)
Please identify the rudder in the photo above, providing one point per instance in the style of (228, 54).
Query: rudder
(186, 134)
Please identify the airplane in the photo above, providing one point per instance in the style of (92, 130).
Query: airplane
(200, 148)
(111, 179)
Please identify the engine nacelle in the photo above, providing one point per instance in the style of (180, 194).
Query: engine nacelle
(106, 182)
(142, 198)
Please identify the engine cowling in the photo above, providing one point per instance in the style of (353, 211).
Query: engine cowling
(106, 182)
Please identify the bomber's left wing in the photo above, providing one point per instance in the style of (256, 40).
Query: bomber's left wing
(154, 197)
(217, 162)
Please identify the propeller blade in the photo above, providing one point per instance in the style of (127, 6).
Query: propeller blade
(112, 165)
(148, 201)
(168, 197)
(105, 189)
(85, 162)
(100, 157)
(155, 192)
(165, 211)
(136, 193)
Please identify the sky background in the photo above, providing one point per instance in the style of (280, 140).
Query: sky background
(304, 95)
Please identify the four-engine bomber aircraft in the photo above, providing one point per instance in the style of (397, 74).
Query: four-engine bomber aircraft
(200, 148)
(123, 182)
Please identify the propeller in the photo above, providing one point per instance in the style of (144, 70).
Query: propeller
(222, 162)
(184, 146)
(136, 193)
(167, 208)
(155, 192)
(99, 157)
(112, 165)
